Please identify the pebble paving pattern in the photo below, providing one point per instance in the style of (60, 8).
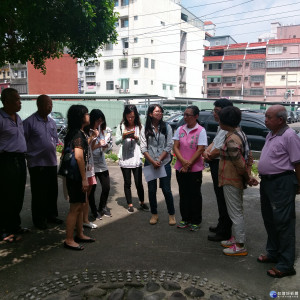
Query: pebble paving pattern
(131, 285)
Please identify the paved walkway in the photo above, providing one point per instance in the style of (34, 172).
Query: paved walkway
(128, 242)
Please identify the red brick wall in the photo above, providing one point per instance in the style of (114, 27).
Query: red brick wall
(61, 77)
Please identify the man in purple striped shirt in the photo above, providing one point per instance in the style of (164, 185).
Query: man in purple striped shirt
(279, 185)
(41, 137)
(12, 165)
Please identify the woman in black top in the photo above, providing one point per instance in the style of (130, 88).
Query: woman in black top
(76, 139)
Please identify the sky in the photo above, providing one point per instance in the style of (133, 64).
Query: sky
(245, 20)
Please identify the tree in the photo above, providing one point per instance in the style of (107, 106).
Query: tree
(37, 30)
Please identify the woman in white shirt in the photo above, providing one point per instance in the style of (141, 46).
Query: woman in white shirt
(100, 146)
(128, 135)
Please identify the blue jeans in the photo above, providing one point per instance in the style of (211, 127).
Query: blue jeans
(165, 185)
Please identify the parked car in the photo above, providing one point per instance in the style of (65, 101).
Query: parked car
(173, 120)
(297, 115)
(59, 119)
(253, 124)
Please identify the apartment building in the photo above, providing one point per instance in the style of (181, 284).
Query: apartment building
(263, 71)
(159, 52)
(235, 71)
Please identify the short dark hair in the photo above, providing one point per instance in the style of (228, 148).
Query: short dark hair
(6, 93)
(230, 116)
(223, 102)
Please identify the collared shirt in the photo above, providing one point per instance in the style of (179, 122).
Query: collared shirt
(41, 138)
(202, 140)
(11, 134)
(157, 144)
(280, 152)
(219, 139)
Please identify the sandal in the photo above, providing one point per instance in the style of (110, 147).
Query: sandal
(10, 238)
(79, 240)
(278, 274)
(265, 259)
(76, 248)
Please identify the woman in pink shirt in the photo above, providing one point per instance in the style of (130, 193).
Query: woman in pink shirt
(189, 144)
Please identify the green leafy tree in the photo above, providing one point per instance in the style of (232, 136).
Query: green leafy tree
(36, 30)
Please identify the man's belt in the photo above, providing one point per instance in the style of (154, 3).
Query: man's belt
(273, 176)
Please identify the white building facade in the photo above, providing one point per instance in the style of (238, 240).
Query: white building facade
(159, 52)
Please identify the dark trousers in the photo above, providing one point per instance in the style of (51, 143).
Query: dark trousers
(105, 184)
(224, 221)
(12, 186)
(278, 212)
(165, 185)
(138, 180)
(190, 197)
(44, 191)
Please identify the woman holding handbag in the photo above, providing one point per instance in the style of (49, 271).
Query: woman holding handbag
(128, 135)
(77, 184)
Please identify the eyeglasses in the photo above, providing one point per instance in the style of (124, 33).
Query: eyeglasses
(187, 115)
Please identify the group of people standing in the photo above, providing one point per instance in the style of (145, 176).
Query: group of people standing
(88, 138)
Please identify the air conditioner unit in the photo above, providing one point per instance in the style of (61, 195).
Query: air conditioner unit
(136, 65)
(127, 91)
(125, 51)
(121, 91)
(117, 86)
(284, 48)
(98, 83)
(282, 76)
(240, 65)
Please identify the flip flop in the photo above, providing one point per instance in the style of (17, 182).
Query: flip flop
(278, 274)
(10, 238)
(265, 259)
(79, 240)
(77, 248)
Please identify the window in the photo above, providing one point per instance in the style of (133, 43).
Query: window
(125, 43)
(124, 22)
(184, 17)
(124, 83)
(258, 64)
(123, 63)
(116, 2)
(217, 43)
(162, 23)
(109, 46)
(229, 66)
(215, 66)
(164, 86)
(295, 63)
(275, 49)
(213, 79)
(231, 93)
(124, 2)
(229, 79)
(213, 93)
(146, 62)
(90, 74)
(151, 82)
(135, 18)
(108, 64)
(152, 64)
(271, 92)
(256, 51)
(151, 41)
(109, 85)
(254, 92)
(234, 52)
(135, 40)
(23, 74)
(136, 82)
(257, 78)
(171, 87)
(136, 62)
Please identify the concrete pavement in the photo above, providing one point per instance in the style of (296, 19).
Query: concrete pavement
(127, 241)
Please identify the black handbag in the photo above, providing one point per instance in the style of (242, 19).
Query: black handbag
(68, 165)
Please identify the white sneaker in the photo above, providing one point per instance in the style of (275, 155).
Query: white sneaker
(235, 250)
(228, 243)
(90, 225)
